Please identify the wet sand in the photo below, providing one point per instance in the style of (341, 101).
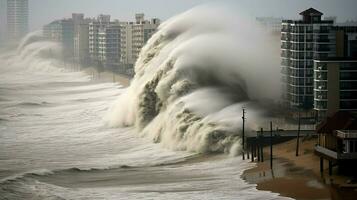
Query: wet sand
(295, 177)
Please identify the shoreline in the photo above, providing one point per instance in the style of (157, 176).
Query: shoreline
(106, 76)
(295, 177)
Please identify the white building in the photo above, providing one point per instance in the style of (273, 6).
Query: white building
(134, 36)
(302, 41)
(104, 41)
(17, 19)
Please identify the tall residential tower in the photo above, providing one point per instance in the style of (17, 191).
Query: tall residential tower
(302, 41)
(17, 19)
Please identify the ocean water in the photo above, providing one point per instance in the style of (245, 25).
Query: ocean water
(172, 134)
(54, 144)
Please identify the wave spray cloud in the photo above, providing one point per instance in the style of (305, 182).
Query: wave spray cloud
(194, 76)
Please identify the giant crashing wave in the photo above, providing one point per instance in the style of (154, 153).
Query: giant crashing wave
(194, 76)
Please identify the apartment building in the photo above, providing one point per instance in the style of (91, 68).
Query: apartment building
(104, 41)
(335, 79)
(302, 41)
(134, 36)
(271, 24)
(17, 19)
(61, 31)
(3, 21)
(81, 38)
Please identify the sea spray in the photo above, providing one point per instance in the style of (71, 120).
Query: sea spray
(194, 76)
(37, 54)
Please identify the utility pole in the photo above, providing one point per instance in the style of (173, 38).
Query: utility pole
(271, 145)
(261, 139)
(243, 134)
(298, 135)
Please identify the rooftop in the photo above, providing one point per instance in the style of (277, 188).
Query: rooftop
(311, 12)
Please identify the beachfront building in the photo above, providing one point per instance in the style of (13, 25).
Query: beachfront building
(17, 19)
(81, 39)
(335, 86)
(337, 142)
(61, 31)
(272, 24)
(301, 42)
(3, 21)
(134, 36)
(335, 78)
(94, 26)
(104, 42)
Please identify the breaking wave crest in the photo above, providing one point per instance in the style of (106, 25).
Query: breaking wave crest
(194, 76)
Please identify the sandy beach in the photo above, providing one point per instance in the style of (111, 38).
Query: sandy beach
(295, 177)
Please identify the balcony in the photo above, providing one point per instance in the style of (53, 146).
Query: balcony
(322, 40)
(285, 37)
(323, 49)
(285, 54)
(286, 29)
(321, 31)
(285, 45)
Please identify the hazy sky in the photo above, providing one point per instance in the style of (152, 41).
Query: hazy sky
(44, 11)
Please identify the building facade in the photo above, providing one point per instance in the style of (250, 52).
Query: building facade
(335, 78)
(61, 31)
(3, 22)
(81, 39)
(272, 24)
(335, 86)
(104, 41)
(302, 41)
(17, 19)
(134, 36)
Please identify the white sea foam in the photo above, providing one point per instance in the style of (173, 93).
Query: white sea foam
(193, 77)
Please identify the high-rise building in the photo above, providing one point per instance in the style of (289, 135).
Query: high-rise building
(335, 85)
(104, 41)
(61, 31)
(302, 41)
(134, 36)
(272, 24)
(17, 19)
(3, 21)
(81, 38)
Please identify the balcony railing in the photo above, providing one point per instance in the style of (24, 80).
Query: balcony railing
(326, 40)
(321, 31)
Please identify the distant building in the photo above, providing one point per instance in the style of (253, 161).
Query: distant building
(81, 39)
(101, 41)
(3, 21)
(134, 36)
(61, 31)
(331, 18)
(272, 24)
(302, 41)
(104, 41)
(17, 19)
(348, 23)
